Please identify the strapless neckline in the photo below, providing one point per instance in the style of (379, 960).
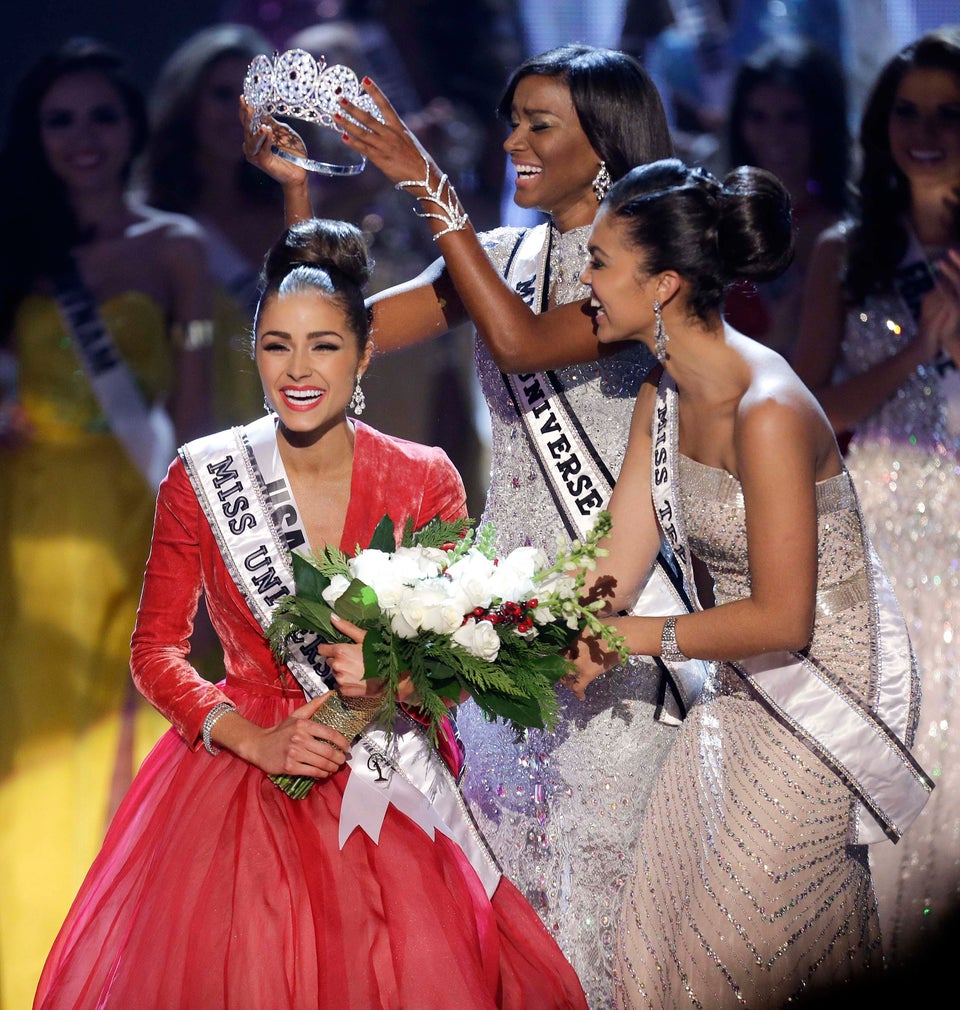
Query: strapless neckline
(832, 492)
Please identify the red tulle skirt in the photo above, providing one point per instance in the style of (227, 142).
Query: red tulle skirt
(215, 890)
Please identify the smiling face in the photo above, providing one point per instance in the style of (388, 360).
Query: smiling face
(924, 127)
(85, 132)
(622, 295)
(554, 161)
(308, 358)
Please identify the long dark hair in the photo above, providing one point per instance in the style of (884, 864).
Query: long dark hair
(879, 239)
(815, 77)
(712, 233)
(172, 177)
(36, 207)
(616, 102)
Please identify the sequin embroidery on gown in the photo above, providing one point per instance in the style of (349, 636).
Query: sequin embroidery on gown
(745, 891)
(905, 462)
(560, 809)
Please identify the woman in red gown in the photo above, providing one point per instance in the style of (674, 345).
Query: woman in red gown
(213, 887)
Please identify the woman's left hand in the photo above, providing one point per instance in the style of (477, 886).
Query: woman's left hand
(591, 658)
(389, 145)
(345, 659)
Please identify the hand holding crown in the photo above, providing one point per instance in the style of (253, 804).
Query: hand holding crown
(260, 140)
(391, 146)
(294, 84)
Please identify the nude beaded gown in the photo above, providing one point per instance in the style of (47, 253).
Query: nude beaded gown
(745, 893)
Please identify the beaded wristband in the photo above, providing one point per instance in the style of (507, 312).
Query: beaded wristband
(213, 717)
(669, 650)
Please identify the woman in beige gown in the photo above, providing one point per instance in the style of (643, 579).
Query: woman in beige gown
(751, 882)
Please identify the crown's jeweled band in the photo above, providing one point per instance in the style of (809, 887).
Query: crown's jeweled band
(294, 84)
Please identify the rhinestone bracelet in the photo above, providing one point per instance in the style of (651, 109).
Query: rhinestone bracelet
(669, 650)
(213, 717)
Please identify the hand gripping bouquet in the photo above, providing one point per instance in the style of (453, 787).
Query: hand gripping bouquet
(444, 610)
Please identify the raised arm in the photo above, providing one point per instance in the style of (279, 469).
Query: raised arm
(855, 398)
(464, 284)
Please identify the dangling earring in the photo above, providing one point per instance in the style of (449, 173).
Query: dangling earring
(358, 402)
(267, 407)
(660, 335)
(602, 181)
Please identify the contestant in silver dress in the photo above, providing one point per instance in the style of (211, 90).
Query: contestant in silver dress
(560, 808)
(880, 348)
(751, 884)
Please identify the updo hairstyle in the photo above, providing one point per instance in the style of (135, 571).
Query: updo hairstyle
(711, 233)
(323, 256)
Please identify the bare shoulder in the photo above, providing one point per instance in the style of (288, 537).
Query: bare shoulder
(776, 403)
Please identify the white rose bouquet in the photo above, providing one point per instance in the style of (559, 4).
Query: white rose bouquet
(444, 610)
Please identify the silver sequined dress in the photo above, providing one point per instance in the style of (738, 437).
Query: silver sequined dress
(745, 891)
(560, 809)
(905, 461)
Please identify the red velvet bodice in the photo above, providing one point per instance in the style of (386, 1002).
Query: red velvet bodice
(390, 476)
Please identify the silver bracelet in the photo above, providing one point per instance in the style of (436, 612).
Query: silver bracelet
(452, 213)
(669, 650)
(213, 717)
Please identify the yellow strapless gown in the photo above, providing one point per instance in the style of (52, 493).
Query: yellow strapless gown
(75, 520)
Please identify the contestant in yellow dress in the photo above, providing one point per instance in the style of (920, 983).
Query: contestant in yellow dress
(76, 512)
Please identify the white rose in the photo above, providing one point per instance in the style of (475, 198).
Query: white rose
(375, 569)
(405, 617)
(479, 638)
(336, 589)
(419, 562)
(414, 613)
(471, 577)
(513, 576)
(442, 612)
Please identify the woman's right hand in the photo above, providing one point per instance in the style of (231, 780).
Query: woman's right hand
(257, 146)
(390, 145)
(296, 746)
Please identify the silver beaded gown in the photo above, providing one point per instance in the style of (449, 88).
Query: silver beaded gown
(905, 461)
(745, 892)
(560, 809)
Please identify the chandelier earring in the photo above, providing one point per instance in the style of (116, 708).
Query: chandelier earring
(358, 402)
(602, 181)
(660, 335)
(268, 406)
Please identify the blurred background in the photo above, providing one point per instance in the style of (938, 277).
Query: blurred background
(778, 83)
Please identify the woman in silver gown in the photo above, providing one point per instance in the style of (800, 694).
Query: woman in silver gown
(751, 884)
(558, 808)
(880, 347)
